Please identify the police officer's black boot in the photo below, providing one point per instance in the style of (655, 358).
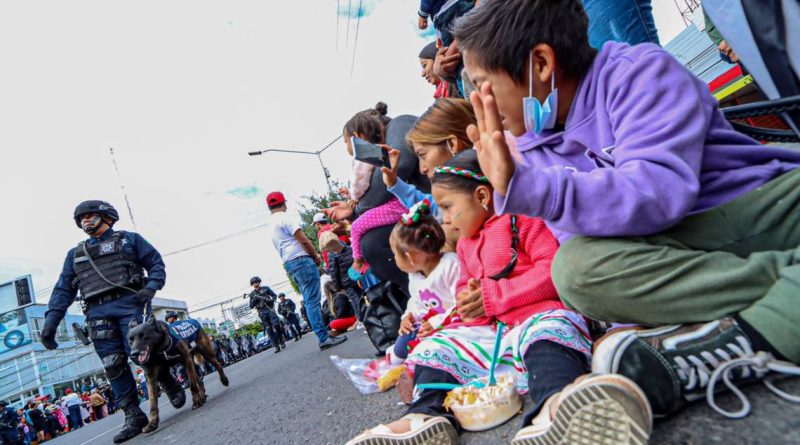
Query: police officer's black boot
(135, 420)
(273, 338)
(175, 392)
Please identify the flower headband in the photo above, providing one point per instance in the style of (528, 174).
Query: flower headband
(415, 212)
(469, 174)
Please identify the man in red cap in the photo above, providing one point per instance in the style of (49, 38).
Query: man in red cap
(301, 262)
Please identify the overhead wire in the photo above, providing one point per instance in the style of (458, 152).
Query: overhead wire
(347, 34)
(222, 238)
(337, 25)
(122, 187)
(355, 41)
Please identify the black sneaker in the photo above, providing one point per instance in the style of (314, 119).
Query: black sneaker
(277, 350)
(678, 364)
(331, 342)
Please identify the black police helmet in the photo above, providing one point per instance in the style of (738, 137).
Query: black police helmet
(255, 280)
(171, 314)
(95, 206)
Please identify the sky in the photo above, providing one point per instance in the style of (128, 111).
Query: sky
(182, 91)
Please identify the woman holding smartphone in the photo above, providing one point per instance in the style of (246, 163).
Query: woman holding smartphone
(377, 210)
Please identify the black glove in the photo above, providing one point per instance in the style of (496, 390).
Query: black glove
(145, 295)
(48, 336)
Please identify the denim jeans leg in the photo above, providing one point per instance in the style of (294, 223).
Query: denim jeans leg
(629, 21)
(305, 275)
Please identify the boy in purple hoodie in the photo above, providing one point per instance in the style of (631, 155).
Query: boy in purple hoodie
(666, 215)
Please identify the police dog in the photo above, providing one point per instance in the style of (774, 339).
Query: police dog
(156, 349)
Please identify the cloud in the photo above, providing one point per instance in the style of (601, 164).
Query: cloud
(246, 191)
(357, 8)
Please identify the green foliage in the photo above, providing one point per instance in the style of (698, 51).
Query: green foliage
(312, 204)
(212, 332)
(252, 329)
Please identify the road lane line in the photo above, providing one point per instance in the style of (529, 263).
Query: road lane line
(114, 428)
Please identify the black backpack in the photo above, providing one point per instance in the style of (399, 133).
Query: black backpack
(382, 313)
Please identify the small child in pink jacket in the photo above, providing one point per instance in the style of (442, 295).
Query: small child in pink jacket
(383, 215)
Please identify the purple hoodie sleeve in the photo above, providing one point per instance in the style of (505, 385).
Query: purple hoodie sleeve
(659, 116)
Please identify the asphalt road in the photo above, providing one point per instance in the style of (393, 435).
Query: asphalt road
(298, 397)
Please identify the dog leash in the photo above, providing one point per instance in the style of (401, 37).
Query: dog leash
(147, 311)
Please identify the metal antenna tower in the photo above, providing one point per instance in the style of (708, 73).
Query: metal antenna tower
(687, 9)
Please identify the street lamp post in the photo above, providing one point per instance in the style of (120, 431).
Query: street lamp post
(317, 153)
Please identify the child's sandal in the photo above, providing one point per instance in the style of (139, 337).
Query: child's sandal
(425, 430)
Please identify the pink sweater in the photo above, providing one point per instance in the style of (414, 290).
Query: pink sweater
(529, 289)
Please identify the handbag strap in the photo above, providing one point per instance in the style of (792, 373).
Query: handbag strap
(390, 296)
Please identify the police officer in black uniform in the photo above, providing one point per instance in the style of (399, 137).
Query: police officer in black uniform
(286, 308)
(262, 298)
(108, 270)
(9, 421)
(171, 317)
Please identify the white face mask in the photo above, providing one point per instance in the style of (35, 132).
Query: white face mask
(538, 116)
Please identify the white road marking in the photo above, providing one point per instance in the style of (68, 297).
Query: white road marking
(114, 428)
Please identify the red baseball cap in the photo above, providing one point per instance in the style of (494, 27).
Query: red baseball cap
(275, 199)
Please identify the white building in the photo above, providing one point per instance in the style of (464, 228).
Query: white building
(163, 305)
(208, 323)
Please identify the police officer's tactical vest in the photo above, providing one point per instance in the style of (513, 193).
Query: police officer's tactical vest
(117, 266)
(263, 303)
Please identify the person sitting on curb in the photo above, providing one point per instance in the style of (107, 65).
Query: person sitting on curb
(666, 215)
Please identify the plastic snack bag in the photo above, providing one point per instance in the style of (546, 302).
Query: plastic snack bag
(368, 376)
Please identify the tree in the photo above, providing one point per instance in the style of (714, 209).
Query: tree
(251, 329)
(313, 204)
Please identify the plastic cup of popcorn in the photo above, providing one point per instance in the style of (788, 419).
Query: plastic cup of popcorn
(481, 409)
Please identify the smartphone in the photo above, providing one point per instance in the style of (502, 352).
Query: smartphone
(370, 153)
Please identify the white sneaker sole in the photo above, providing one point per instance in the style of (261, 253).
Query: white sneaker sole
(597, 414)
(608, 350)
(432, 433)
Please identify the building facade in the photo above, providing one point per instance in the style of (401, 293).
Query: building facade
(28, 369)
(163, 305)
(208, 324)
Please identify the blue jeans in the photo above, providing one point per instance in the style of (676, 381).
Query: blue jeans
(629, 21)
(75, 416)
(306, 275)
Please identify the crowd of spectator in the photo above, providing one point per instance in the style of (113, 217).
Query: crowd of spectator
(46, 417)
(567, 165)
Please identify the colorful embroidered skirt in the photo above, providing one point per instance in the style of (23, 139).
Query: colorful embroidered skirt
(465, 352)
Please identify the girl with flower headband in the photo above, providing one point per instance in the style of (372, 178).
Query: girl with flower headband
(504, 277)
(417, 241)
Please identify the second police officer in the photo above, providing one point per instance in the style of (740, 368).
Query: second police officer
(262, 298)
(286, 308)
(107, 273)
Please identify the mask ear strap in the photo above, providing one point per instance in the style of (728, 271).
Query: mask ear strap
(530, 77)
(553, 79)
